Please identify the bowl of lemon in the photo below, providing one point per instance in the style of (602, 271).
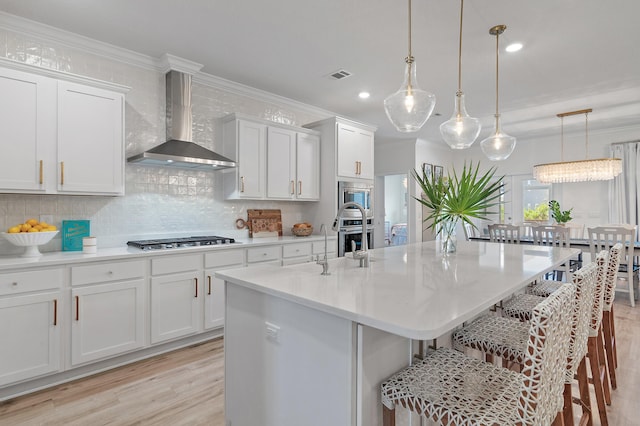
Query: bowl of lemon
(30, 235)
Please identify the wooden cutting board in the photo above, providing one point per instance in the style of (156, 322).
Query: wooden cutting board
(264, 221)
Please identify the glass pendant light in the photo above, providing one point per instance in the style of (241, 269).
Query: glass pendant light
(500, 145)
(410, 107)
(461, 130)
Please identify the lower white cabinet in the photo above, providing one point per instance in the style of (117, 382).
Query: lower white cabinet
(296, 253)
(30, 324)
(214, 287)
(176, 308)
(29, 336)
(107, 320)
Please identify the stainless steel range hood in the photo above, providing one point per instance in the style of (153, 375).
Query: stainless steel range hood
(179, 151)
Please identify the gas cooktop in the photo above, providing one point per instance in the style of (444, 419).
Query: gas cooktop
(168, 243)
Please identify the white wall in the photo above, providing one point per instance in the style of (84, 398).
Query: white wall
(158, 201)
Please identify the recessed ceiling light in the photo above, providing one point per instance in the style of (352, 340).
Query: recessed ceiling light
(364, 95)
(513, 47)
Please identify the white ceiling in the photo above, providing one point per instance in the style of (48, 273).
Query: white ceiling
(577, 53)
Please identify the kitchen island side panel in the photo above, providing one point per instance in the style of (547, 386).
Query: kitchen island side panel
(286, 364)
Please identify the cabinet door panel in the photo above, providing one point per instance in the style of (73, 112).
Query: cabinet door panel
(308, 167)
(27, 129)
(214, 302)
(347, 151)
(281, 163)
(90, 140)
(29, 336)
(251, 152)
(175, 306)
(107, 319)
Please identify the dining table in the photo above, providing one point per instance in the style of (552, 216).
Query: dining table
(307, 348)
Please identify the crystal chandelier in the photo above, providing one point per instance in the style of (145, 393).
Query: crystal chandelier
(410, 107)
(577, 171)
(461, 130)
(500, 145)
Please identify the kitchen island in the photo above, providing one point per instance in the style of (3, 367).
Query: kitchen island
(303, 348)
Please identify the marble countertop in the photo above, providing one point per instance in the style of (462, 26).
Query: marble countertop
(412, 291)
(119, 253)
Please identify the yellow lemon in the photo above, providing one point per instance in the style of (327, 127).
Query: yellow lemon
(25, 227)
(52, 228)
(37, 227)
(32, 222)
(43, 224)
(33, 230)
(14, 230)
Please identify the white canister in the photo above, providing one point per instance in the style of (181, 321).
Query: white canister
(89, 245)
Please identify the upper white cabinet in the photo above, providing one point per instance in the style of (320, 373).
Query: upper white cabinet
(275, 161)
(90, 140)
(60, 133)
(355, 152)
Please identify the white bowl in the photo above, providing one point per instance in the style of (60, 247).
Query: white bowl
(30, 240)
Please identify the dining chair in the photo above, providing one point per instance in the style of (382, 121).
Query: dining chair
(507, 338)
(469, 231)
(504, 233)
(553, 236)
(576, 230)
(450, 387)
(603, 238)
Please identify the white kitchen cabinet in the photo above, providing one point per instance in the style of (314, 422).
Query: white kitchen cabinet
(275, 161)
(245, 141)
(296, 253)
(270, 254)
(214, 290)
(30, 324)
(27, 130)
(108, 312)
(60, 133)
(308, 166)
(355, 152)
(90, 140)
(176, 294)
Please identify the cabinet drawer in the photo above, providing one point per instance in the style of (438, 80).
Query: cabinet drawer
(224, 258)
(263, 254)
(296, 250)
(22, 282)
(171, 264)
(104, 272)
(318, 247)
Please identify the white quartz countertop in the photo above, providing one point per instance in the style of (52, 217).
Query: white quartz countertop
(119, 253)
(412, 291)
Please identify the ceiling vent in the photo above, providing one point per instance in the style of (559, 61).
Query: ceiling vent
(340, 74)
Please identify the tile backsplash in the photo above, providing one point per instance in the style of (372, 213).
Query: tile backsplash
(158, 201)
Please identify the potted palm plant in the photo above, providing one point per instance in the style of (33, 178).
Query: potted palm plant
(454, 199)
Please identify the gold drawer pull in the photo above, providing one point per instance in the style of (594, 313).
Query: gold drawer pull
(196, 280)
(77, 308)
(209, 277)
(299, 187)
(62, 173)
(292, 191)
(55, 311)
(41, 180)
(241, 183)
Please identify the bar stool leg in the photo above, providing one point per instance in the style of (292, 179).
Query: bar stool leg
(567, 409)
(602, 360)
(388, 416)
(609, 345)
(585, 399)
(596, 377)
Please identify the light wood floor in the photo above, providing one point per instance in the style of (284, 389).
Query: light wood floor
(186, 387)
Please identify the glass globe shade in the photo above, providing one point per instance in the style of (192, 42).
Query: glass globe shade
(499, 145)
(410, 107)
(461, 130)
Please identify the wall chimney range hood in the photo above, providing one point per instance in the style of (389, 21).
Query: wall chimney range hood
(179, 151)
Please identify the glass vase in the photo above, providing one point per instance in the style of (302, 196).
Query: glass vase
(448, 239)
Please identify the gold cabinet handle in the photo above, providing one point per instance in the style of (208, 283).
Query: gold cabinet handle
(241, 183)
(55, 311)
(41, 180)
(196, 280)
(209, 290)
(77, 308)
(292, 190)
(299, 187)
(62, 173)
(356, 168)
(359, 168)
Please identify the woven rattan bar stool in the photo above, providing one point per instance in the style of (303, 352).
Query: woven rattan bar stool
(507, 338)
(454, 389)
(608, 324)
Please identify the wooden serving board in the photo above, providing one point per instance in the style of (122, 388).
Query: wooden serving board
(264, 220)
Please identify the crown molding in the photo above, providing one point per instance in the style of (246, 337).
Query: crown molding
(68, 39)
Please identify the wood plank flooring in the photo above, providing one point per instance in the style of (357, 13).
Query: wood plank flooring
(186, 387)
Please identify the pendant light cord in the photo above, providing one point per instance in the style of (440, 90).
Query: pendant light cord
(562, 138)
(586, 134)
(497, 53)
(460, 52)
(409, 59)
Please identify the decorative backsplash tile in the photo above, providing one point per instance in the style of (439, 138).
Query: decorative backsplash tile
(158, 201)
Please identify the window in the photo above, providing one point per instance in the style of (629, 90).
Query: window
(535, 201)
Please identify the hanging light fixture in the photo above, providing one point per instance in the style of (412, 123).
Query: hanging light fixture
(461, 130)
(577, 171)
(410, 107)
(500, 145)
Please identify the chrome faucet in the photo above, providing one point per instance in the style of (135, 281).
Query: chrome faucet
(324, 262)
(363, 253)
